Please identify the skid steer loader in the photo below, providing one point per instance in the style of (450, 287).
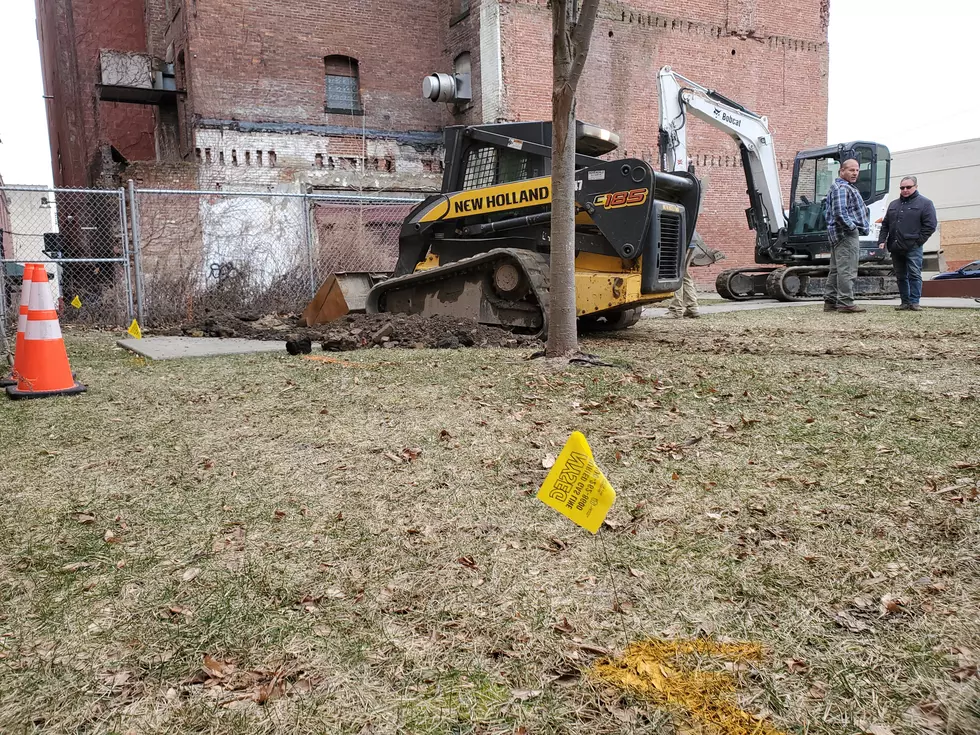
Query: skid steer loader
(480, 249)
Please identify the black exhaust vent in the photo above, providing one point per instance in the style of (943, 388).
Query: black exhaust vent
(669, 267)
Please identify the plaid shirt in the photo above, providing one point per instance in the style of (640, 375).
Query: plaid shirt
(845, 211)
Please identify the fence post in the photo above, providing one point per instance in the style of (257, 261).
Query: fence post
(6, 353)
(126, 263)
(137, 258)
(307, 203)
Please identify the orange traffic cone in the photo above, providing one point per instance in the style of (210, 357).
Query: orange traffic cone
(43, 368)
(25, 294)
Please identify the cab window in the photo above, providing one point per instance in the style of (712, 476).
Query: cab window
(813, 182)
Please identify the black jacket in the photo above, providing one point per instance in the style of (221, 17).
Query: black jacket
(908, 223)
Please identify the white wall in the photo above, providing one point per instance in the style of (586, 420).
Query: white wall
(948, 174)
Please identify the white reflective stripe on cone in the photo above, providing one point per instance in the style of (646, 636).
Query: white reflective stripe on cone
(25, 294)
(22, 322)
(41, 299)
(43, 329)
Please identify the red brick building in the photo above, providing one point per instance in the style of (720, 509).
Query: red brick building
(239, 94)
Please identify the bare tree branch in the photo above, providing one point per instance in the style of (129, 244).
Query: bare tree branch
(582, 38)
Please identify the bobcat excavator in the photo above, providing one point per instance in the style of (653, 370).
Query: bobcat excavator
(480, 248)
(791, 246)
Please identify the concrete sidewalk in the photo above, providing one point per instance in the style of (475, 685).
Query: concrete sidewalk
(654, 312)
(172, 348)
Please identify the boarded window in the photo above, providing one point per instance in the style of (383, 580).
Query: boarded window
(342, 86)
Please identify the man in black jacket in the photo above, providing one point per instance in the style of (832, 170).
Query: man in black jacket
(909, 222)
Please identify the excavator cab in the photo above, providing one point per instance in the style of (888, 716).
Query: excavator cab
(814, 172)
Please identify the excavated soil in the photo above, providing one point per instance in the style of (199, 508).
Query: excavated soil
(358, 331)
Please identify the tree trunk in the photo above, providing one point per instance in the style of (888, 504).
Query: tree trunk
(571, 40)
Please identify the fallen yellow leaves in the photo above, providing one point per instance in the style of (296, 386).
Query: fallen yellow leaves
(701, 699)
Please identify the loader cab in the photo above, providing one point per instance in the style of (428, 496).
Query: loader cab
(486, 155)
(813, 174)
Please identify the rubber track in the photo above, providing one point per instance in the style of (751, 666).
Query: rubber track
(725, 277)
(535, 266)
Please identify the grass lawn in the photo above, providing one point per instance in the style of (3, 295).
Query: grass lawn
(275, 544)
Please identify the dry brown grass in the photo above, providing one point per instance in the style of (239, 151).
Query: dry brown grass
(784, 476)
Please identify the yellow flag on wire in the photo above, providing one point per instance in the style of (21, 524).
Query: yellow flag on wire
(134, 330)
(76, 302)
(576, 487)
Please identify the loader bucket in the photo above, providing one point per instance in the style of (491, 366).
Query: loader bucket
(340, 294)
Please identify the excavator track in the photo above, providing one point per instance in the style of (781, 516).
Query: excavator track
(504, 287)
(742, 284)
(800, 283)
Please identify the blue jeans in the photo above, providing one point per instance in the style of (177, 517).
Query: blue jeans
(908, 273)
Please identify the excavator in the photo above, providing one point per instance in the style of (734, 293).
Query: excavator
(791, 249)
(480, 248)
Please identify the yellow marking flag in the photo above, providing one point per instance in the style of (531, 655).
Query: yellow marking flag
(576, 487)
(76, 302)
(134, 330)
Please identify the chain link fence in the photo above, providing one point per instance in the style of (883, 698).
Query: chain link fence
(254, 253)
(168, 257)
(82, 238)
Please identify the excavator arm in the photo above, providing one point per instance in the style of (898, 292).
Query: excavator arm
(679, 97)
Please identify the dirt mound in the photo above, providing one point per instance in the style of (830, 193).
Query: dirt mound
(359, 331)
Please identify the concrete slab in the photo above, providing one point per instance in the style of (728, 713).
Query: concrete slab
(173, 348)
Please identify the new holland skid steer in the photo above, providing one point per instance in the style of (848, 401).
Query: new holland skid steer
(480, 249)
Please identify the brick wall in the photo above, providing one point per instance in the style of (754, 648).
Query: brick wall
(746, 50)
(264, 61)
(254, 76)
(71, 34)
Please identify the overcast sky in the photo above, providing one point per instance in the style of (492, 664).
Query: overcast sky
(902, 72)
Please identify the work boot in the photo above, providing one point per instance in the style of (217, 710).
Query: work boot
(852, 309)
(692, 315)
(915, 307)
(673, 314)
(829, 306)
(903, 307)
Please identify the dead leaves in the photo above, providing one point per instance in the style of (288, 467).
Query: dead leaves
(231, 547)
(878, 730)
(848, 621)
(962, 490)
(963, 673)
(796, 665)
(966, 664)
(405, 456)
(76, 566)
(176, 613)
(564, 627)
(928, 715)
(234, 687)
(190, 574)
(891, 605)
(676, 449)
(216, 668)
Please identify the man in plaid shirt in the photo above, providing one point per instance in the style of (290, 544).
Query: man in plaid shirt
(847, 218)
